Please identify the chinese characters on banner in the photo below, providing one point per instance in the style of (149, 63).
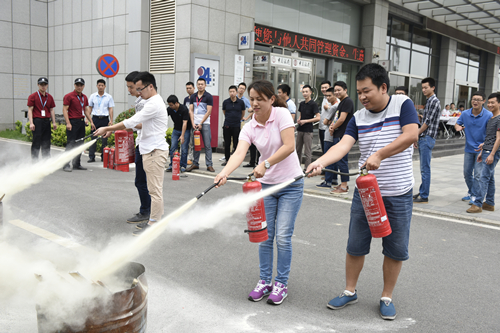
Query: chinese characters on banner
(273, 36)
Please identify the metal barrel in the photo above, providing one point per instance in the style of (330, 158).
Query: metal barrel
(128, 311)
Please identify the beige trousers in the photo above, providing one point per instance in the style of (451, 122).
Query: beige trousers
(304, 139)
(154, 166)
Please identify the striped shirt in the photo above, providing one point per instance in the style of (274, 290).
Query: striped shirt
(375, 130)
(432, 112)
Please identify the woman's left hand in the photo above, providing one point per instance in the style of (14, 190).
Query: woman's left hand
(259, 170)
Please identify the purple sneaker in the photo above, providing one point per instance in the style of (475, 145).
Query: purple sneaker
(262, 289)
(280, 292)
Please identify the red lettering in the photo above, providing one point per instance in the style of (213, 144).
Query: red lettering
(295, 43)
(342, 52)
(320, 45)
(258, 34)
(312, 45)
(304, 43)
(335, 50)
(361, 55)
(328, 48)
(267, 36)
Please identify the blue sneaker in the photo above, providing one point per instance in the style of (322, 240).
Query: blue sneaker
(324, 185)
(387, 309)
(466, 198)
(344, 299)
(471, 202)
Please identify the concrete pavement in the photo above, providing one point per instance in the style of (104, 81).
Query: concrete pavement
(447, 188)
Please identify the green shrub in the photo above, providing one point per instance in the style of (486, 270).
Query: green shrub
(29, 134)
(19, 126)
(124, 115)
(59, 136)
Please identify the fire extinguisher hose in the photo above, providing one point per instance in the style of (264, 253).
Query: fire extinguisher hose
(88, 136)
(342, 173)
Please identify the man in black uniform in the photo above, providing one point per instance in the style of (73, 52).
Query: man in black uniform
(234, 111)
(182, 130)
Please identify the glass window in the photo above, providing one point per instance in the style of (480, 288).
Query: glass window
(421, 40)
(462, 53)
(401, 35)
(435, 44)
(473, 74)
(397, 81)
(419, 63)
(416, 94)
(475, 57)
(460, 72)
(400, 59)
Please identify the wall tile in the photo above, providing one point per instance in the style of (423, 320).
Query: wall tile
(22, 88)
(86, 35)
(246, 24)
(183, 21)
(86, 10)
(107, 8)
(216, 26)
(107, 31)
(199, 22)
(97, 9)
(6, 63)
(96, 33)
(233, 6)
(50, 14)
(232, 25)
(248, 8)
(120, 54)
(52, 61)
(76, 62)
(6, 12)
(67, 12)
(57, 91)
(19, 104)
(6, 35)
(67, 36)
(77, 35)
(119, 30)
(58, 37)
(87, 64)
(120, 7)
(38, 12)
(21, 61)
(58, 12)
(218, 4)
(39, 63)
(20, 11)
(68, 84)
(7, 117)
(58, 59)
(68, 62)
(39, 38)
(76, 7)
(228, 64)
(201, 2)
(182, 55)
(217, 49)
(22, 33)
(181, 78)
(50, 32)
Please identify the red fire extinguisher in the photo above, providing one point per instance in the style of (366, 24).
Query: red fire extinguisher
(111, 159)
(256, 216)
(373, 205)
(197, 140)
(105, 157)
(176, 166)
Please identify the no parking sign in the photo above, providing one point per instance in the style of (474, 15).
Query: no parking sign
(107, 65)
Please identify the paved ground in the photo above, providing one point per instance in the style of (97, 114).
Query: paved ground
(199, 282)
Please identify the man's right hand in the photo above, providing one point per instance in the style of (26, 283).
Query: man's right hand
(69, 127)
(32, 127)
(315, 169)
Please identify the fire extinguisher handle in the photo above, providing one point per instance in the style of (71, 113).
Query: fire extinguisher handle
(208, 189)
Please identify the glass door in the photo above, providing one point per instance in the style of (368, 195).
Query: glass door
(463, 93)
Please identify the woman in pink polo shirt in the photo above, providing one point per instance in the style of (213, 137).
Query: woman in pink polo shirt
(271, 130)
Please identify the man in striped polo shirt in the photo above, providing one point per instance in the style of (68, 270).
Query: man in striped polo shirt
(385, 129)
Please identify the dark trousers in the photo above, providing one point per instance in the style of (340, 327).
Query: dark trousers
(322, 139)
(41, 138)
(254, 155)
(98, 122)
(342, 164)
(141, 184)
(77, 132)
(228, 133)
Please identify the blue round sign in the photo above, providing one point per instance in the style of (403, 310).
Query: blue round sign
(107, 65)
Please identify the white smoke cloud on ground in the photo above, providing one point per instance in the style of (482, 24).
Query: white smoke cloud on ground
(16, 177)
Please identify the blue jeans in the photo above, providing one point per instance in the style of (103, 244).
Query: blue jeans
(425, 146)
(395, 246)
(176, 134)
(472, 172)
(282, 208)
(207, 138)
(330, 177)
(487, 180)
(343, 164)
(142, 184)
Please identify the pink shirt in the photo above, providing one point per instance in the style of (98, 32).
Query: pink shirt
(267, 139)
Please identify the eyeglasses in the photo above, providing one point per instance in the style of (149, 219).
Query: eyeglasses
(477, 100)
(141, 89)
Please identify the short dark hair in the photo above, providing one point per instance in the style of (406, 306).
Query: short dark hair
(307, 86)
(430, 81)
(285, 88)
(461, 106)
(233, 87)
(403, 88)
(495, 95)
(447, 105)
(101, 81)
(376, 73)
(452, 103)
(479, 93)
(131, 76)
(201, 79)
(331, 89)
(190, 84)
(326, 82)
(341, 84)
(172, 99)
(242, 84)
(147, 78)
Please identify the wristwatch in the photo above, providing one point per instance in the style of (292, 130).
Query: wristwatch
(267, 164)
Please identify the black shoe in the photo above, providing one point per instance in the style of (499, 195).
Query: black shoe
(192, 167)
(169, 169)
(142, 225)
(224, 164)
(79, 168)
(68, 168)
(249, 165)
(416, 196)
(92, 160)
(138, 218)
(421, 200)
(140, 231)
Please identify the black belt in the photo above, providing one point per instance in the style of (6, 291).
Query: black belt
(100, 117)
(81, 119)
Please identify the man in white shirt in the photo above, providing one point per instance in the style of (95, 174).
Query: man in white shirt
(284, 93)
(325, 106)
(102, 105)
(153, 119)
